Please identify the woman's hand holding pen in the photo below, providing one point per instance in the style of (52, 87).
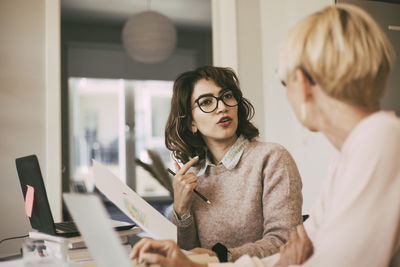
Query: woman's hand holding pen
(183, 184)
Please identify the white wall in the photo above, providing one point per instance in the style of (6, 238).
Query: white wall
(311, 151)
(29, 107)
(53, 106)
(250, 60)
(257, 28)
(224, 33)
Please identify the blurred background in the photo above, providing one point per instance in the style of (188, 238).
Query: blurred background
(78, 82)
(115, 105)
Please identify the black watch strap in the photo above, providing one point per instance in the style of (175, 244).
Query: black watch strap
(221, 251)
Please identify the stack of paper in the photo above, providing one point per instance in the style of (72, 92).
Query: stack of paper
(77, 241)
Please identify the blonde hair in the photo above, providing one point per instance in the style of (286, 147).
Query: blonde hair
(343, 50)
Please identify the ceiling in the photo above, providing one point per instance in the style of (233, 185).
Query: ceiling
(184, 13)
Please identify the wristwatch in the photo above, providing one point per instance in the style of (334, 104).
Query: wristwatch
(223, 253)
(184, 216)
(184, 220)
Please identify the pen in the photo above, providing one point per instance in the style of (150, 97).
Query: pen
(194, 190)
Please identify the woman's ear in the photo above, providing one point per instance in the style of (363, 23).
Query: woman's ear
(194, 127)
(304, 84)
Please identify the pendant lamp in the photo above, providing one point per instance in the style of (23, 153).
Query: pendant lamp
(149, 37)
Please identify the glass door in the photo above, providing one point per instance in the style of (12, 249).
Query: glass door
(115, 121)
(97, 121)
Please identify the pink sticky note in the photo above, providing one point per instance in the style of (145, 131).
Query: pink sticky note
(29, 200)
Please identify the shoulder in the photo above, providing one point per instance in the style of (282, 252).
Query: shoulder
(379, 132)
(270, 155)
(372, 150)
(266, 149)
(383, 122)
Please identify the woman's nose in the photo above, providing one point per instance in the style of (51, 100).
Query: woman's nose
(221, 105)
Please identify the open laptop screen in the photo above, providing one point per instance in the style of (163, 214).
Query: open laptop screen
(30, 176)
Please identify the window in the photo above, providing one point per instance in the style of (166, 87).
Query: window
(101, 124)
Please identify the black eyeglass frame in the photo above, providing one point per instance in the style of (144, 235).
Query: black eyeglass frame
(308, 76)
(221, 97)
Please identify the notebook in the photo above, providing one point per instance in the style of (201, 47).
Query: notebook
(37, 206)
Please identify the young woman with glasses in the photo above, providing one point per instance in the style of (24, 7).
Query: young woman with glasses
(254, 188)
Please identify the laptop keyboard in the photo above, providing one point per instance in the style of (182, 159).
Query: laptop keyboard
(66, 226)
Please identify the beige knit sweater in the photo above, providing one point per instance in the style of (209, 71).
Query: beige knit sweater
(254, 206)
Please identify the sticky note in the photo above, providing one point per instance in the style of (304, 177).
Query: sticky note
(30, 194)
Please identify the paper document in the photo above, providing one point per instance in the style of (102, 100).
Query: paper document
(135, 207)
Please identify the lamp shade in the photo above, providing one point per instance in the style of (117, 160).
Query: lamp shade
(149, 37)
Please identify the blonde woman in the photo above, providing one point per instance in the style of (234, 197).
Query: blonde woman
(334, 65)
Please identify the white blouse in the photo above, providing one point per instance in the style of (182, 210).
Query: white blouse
(356, 218)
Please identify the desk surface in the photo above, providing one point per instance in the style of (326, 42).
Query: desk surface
(78, 257)
(200, 258)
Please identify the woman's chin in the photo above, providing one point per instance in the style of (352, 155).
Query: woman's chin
(312, 129)
(224, 138)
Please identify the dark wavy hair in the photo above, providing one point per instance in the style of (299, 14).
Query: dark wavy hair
(178, 135)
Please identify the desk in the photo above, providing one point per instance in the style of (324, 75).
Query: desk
(77, 258)
(80, 257)
(200, 258)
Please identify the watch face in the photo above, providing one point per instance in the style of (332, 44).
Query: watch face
(186, 215)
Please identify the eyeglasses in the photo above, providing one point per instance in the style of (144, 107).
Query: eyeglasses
(209, 103)
(308, 76)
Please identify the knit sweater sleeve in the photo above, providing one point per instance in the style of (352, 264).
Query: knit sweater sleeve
(187, 232)
(282, 202)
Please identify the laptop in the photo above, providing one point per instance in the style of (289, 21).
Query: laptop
(91, 217)
(103, 243)
(37, 205)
